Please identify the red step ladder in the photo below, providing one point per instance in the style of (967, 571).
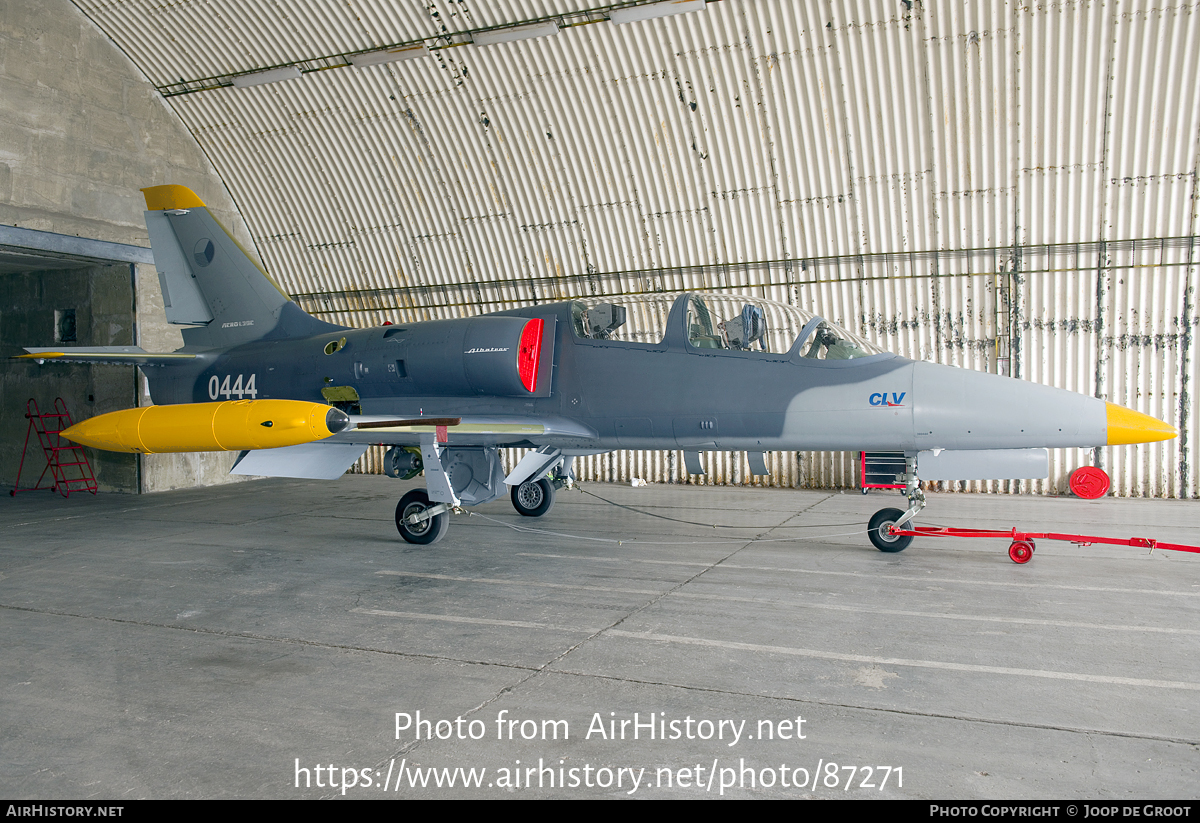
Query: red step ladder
(66, 461)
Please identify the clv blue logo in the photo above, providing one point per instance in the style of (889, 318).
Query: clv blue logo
(881, 399)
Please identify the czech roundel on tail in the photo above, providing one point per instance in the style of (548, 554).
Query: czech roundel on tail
(299, 397)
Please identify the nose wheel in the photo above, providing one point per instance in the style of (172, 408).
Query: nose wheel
(877, 530)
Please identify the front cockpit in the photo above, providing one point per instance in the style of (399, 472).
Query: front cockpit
(733, 323)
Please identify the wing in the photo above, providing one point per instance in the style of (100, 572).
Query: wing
(328, 459)
(470, 430)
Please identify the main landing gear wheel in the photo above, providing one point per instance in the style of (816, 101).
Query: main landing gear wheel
(1021, 551)
(877, 531)
(533, 498)
(425, 532)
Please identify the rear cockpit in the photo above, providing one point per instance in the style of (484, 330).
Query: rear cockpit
(717, 321)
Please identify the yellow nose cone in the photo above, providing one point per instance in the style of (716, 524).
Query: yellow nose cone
(1126, 426)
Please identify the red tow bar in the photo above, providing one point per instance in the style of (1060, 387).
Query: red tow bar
(1021, 549)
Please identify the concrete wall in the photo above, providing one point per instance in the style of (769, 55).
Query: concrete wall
(81, 131)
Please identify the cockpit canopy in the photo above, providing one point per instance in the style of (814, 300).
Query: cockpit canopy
(718, 321)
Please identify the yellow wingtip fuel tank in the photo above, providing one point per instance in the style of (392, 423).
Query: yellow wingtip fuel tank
(232, 425)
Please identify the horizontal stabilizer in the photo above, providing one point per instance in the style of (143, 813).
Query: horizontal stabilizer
(116, 355)
(313, 461)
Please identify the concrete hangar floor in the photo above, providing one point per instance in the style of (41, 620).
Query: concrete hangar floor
(277, 639)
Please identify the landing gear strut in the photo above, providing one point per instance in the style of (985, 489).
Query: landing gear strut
(455, 476)
(884, 521)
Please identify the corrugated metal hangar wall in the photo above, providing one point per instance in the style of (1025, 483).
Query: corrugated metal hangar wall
(1009, 187)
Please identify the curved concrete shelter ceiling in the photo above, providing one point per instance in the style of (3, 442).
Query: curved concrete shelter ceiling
(976, 183)
(734, 133)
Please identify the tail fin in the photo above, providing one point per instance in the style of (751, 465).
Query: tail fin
(210, 283)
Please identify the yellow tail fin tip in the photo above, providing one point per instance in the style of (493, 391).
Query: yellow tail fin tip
(161, 198)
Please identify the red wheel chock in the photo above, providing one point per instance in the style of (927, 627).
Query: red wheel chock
(1021, 550)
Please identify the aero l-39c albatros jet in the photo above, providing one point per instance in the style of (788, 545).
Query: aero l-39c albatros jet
(299, 397)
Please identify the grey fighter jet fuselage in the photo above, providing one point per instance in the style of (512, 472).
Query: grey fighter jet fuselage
(694, 372)
(630, 395)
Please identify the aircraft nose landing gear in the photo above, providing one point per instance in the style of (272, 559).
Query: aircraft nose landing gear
(880, 527)
(879, 531)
